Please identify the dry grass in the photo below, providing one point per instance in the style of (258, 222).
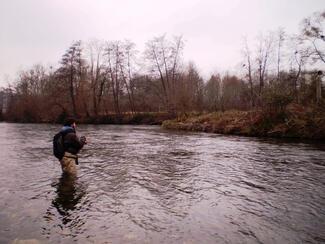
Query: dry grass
(295, 121)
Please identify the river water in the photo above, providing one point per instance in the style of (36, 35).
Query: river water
(143, 184)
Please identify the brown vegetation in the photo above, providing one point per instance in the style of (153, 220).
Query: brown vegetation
(108, 82)
(294, 121)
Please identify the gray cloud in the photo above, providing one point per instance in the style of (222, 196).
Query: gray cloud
(39, 31)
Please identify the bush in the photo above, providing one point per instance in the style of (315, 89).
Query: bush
(277, 99)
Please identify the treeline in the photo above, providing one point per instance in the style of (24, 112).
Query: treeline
(104, 78)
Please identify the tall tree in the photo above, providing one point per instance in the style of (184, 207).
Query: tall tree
(263, 55)
(164, 60)
(212, 93)
(248, 65)
(71, 70)
(280, 40)
(97, 73)
(127, 66)
(312, 31)
(114, 56)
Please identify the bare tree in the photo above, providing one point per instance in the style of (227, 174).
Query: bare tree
(126, 65)
(249, 69)
(164, 59)
(281, 37)
(312, 31)
(301, 57)
(231, 93)
(70, 71)
(263, 55)
(114, 56)
(212, 93)
(97, 73)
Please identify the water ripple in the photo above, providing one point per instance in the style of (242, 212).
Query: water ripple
(141, 184)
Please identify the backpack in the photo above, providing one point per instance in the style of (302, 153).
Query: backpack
(58, 147)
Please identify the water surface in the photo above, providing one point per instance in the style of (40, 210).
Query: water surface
(142, 184)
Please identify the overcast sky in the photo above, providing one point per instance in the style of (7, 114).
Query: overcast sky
(39, 31)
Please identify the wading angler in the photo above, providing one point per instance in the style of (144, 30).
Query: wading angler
(66, 146)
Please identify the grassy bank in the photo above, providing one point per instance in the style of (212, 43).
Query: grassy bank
(291, 122)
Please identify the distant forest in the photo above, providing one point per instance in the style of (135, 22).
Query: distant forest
(101, 78)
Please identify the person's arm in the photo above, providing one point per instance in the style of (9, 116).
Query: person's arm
(73, 143)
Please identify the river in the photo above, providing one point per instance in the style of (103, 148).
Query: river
(143, 184)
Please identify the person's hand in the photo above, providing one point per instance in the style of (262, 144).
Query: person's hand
(83, 139)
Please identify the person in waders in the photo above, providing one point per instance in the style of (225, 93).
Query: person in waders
(71, 146)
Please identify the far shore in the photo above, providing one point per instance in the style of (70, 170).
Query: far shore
(139, 118)
(294, 121)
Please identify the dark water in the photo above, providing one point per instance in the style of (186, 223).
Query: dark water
(141, 184)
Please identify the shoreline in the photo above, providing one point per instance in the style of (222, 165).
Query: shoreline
(144, 118)
(289, 124)
(293, 122)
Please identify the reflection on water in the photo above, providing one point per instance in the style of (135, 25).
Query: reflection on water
(68, 196)
(141, 184)
(63, 213)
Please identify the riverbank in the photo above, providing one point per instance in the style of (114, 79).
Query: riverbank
(139, 118)
(292, 122)
(143, 118)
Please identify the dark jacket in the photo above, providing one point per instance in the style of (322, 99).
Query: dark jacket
(71, 141)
